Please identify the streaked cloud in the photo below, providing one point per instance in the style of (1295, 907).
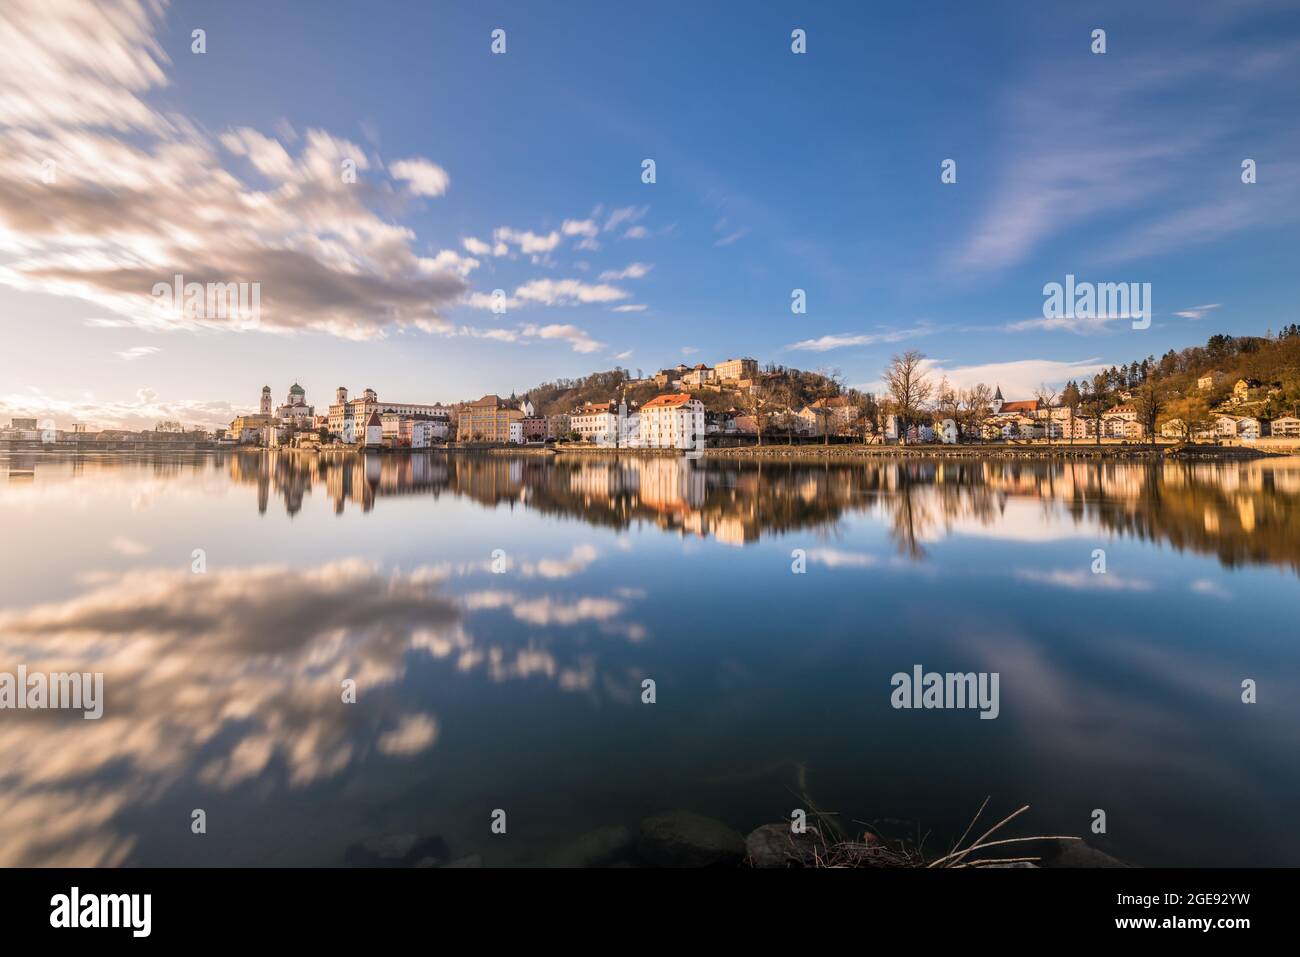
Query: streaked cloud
(630, 271)
(567, 292)
(1082, 579)
(849, 339)
(625, 214)
(117, 215)
(1198, 312)
(577, 338)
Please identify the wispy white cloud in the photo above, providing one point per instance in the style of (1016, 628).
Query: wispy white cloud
(527, 241)
(577, 338)
(1198, 312)
(846, 340)
(625, 214)
(1144, 143)
(1211, 589)
(1080, 579)
(580, 227)
(1018, 377)
(1091, 325)
(630, 271)
(567, 292)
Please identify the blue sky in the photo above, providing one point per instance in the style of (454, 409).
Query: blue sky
(522, 172)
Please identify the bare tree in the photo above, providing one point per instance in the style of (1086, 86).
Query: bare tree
(909, 386)
(761, 402)
(975, 403)
(1046, 397)
(947, 400)
(867, 420)
(1149, 398)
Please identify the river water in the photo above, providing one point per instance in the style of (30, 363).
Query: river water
(498, 617)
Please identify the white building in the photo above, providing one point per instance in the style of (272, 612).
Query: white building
(609, 425)
(347, 417)
(893, 427)
(374, 431)
(1174, 429)
(628, 425)
(1225, 426)
(948, 432)
(421, 433)
(594, 422)
(674, 421)
(1285, 425)
(699, 377)
(1249, 428)
(516, 433)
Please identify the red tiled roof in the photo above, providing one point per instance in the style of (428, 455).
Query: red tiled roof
(668, 401)
(1021, 405)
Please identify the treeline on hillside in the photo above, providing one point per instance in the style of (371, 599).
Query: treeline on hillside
(1157, 389)
(798, 388)
(1270, 359)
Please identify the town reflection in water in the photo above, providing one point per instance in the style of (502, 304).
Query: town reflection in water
(1244, 512)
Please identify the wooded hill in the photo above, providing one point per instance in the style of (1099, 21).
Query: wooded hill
(565, 395)
(1273, 360)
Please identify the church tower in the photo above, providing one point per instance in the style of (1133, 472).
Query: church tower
(997, 401)
(265, 407)
(341, 395)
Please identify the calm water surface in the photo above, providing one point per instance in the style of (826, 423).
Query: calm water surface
(521, 689)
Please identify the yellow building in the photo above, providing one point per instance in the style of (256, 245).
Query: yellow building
(487, 420)
(734, 369)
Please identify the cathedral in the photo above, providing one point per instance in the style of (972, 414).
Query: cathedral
(268, 427)
(295, 412)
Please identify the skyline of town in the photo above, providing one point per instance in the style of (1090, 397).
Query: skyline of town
(216, 419)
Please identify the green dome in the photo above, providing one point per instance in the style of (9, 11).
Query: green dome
(296, 389)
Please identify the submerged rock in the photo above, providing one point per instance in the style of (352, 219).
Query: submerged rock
(397, 850)
(603, 847)
(1077, 854)
(685, 839)
(1011, 864)
(775, 845)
